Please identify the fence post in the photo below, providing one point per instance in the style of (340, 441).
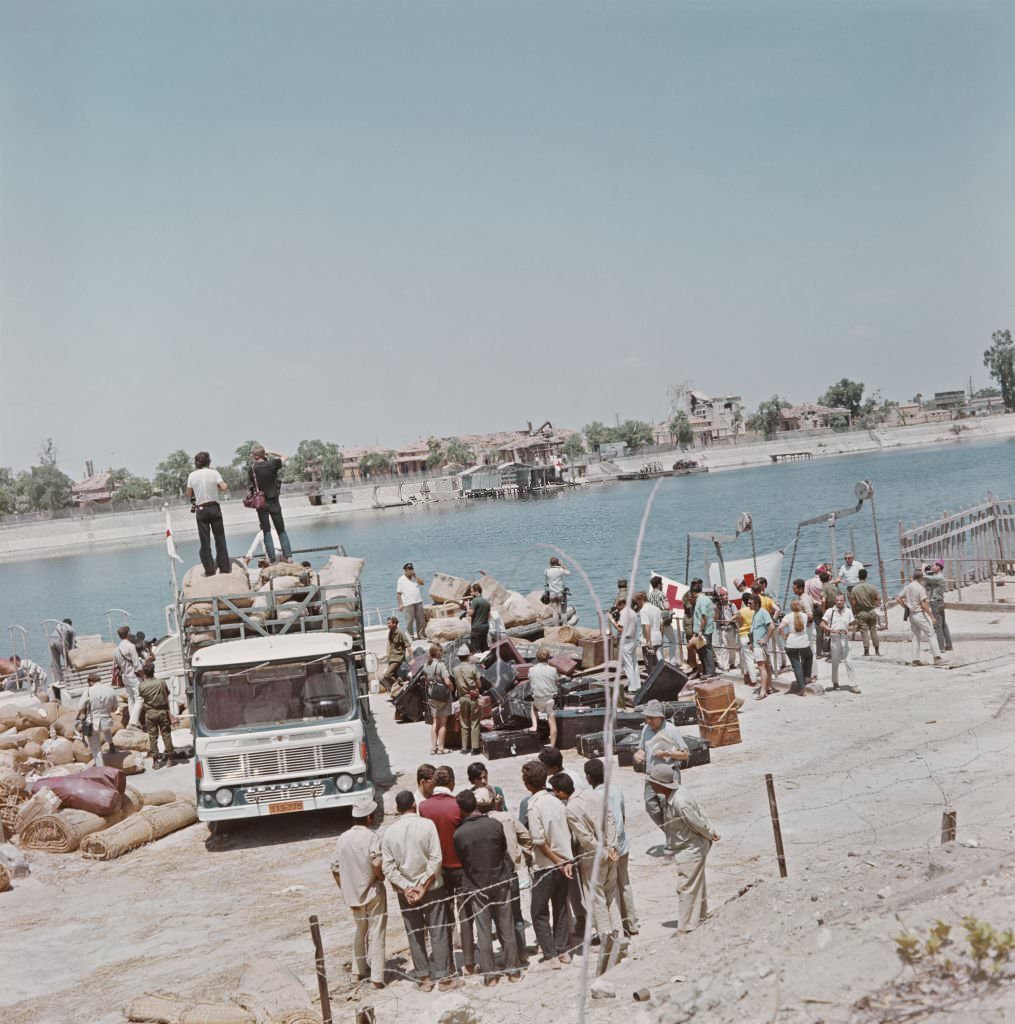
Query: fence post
(773, 810)
(948, 825)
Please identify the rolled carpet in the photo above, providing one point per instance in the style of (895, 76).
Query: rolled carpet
(63, 831)
(149, 824)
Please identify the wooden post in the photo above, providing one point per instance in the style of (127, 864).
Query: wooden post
(773, 809)
(322, 977)
(948, 822)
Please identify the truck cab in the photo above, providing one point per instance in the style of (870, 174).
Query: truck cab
(277, 726)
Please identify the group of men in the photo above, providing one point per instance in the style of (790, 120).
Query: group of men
(459, 861)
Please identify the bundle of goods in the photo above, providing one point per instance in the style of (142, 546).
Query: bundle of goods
(89, 653)
(200, 593)
(149, 824)
(446, 589)
(718, 721)
(339, 581)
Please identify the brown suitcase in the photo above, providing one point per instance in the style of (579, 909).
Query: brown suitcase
(593, 650)
(564, 665)
(718, 721)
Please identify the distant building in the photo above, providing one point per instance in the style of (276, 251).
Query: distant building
(93, 490)
(954, 401)
(715, 419)
(541, 446)
(810, 416)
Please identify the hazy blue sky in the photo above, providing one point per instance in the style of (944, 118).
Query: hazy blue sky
(370, 221)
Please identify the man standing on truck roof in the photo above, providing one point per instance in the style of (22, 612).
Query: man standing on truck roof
(203, 487)
(409, 593)
(126, 660)
(263, 474)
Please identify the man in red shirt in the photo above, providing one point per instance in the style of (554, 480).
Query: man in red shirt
(442, 809)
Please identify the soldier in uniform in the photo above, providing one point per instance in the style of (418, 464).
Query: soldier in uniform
(95, 715)
(155, 695)
(399, 646)
(468, 684)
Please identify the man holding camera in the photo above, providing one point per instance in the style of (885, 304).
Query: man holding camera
(203, 487)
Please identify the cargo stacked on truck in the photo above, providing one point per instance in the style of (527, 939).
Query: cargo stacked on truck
(274, 660)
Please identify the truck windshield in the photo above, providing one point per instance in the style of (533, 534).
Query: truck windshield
(275, 694)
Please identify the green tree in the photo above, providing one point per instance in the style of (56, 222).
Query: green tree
(8, 492)
(459, 453)
(680, 428)
(987, 393)
(46, 488)
(999, 359)
(635, 434)
(47, 453)
(574, 447)
(766, 420)
(125, 486)
(376, 464)
(596, 433)
(241, 457)
(172, 472)
(846, 394)
(316, 460)
(235, 477)
(435, 455)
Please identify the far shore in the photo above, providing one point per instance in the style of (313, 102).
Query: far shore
(86, 533)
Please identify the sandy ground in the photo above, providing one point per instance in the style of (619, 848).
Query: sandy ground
(862, 781)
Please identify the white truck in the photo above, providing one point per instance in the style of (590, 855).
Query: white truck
(278, 696)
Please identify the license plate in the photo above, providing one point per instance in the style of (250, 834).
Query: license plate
(285, 807)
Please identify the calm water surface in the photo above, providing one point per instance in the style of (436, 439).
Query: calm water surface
(598, 526)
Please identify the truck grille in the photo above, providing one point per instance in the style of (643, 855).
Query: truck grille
(275, 793)
(268, 764)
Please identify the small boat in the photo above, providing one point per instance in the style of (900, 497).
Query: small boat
(655, 470)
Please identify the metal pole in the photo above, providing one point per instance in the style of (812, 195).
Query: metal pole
(831, 540)
(322, 976)
(881, 564)
(687, 562)
(792, 563)
(754, 553)
(722, 564)
(773, 810)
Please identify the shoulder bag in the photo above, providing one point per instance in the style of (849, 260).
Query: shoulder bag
(255, 498)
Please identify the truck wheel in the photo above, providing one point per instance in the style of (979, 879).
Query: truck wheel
(216, 829)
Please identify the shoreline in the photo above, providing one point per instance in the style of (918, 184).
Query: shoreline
(74, 536)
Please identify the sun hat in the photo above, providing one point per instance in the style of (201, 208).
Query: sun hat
(662, 775)
(939, 563)
(364, 807)
(653, 709)
(464, 651)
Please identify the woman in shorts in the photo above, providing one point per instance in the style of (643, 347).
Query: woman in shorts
(440, 697)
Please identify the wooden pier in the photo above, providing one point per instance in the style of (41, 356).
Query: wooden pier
(792, 457)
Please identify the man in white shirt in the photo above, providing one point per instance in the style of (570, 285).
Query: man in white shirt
(660, 742)
(544, 681)
(356, 867)
(126, 659)
(411, 861)
(554, 579)
(921, 618)
(203, 488)
(61, 643)
(849, 572)
(95, 713)
(836, 623)
(408, 591)
(652, 626)
(630, 631)
(553, 867)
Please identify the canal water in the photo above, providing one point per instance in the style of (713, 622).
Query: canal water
(598, 526)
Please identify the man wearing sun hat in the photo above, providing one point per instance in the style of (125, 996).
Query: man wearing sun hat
(356, 867)
(691, 836)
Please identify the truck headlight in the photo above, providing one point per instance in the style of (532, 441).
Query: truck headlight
(344, 783)
(223, 797)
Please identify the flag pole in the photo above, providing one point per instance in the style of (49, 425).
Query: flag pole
(171, 551)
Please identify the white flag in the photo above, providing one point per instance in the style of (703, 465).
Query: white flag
(769, 566)
(170, 543)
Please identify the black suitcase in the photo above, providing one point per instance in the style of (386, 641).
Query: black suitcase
(575, 722)
(593, 744)
(626, 746)
(680, 712)
(500, 676)
(585, 698)
(664, 682)
(696, 747)
(512, 714)
(503, 650)
(409, 704)
(497, 745)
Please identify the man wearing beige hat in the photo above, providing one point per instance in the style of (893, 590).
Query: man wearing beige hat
(660, 743)
(691, 836)
(356, 867)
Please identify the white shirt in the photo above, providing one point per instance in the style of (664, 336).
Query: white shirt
(408, 590)
(411, 852)
(629, 625)
(850, 574)
(554, 577)
(543, 681)
(652, 617)
(913, 594)
(356, 853)
(204, 483)
(838, 621)
(548, 826)
(795, 640)
(126, 657)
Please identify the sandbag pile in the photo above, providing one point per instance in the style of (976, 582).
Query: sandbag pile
(39, 738)
(339, 579)
(444, 622)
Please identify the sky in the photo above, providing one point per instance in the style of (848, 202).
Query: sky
(370, 222)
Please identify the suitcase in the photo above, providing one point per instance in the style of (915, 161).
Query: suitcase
(593, 650)
(594, 698)
(500, 676)
(575, 722)
(503, 650)
(409, 704)
(593, 744)
(699, 750)
(664, 682)
(626, 746)
(718, 721)
(501, 744)
(681, 712)
(564, 665)
(512, 714)
(522, 671)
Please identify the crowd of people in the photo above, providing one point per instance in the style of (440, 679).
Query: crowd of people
(459, 860)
